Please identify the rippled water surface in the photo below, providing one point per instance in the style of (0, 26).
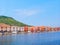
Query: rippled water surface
(46, 38)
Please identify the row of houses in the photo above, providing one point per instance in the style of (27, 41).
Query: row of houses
(15, 29)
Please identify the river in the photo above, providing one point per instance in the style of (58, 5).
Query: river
(44, 38)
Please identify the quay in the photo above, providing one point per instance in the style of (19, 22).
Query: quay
(8, 29)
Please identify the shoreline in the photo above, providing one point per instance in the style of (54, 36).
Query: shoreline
(10, 33)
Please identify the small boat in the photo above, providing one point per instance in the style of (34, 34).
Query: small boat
(14, 32)
(29, 31)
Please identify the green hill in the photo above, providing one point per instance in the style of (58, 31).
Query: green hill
(11, 21)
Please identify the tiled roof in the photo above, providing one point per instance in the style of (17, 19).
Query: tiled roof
(4, 25)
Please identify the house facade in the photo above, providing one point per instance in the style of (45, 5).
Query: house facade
(15, 29)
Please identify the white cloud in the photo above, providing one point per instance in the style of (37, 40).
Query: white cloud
(26, 12)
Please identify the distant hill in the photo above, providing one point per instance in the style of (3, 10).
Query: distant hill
(11, 21)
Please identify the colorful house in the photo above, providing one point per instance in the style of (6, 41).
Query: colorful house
(26, 29)
(37, 29)
(49, 29)
(42, 28)
(4, 27)
(32, 29)
(16, 29)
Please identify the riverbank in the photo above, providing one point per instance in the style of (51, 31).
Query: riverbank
(10, 33)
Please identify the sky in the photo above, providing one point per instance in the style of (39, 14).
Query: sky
(32, 12)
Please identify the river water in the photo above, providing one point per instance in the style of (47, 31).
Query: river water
(44, 38)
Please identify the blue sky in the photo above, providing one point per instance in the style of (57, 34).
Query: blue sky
(32, 12)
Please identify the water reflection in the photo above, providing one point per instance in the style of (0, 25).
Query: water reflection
(51, 38)
(5, 40)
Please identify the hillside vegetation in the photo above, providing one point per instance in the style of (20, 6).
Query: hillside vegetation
(11, 21)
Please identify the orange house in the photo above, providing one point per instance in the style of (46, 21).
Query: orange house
(42, 28)
(26, 29)
(49, 29)
(32, 29)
